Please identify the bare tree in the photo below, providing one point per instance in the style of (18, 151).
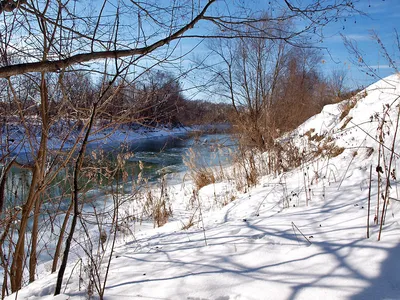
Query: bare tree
(48, 43)
(337, 82)
(248, 74)
(302, 90)
(272, 85)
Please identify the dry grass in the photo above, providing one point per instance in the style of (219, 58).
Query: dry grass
(201, 175)
(247, 168)
(314, 137)
(335, 151)
(317, 137)
(190, 222)
(161, 213)
(308, 133)
(156, 204)
(345, 107)
(328, 149)
(369, 152)
(348, 119)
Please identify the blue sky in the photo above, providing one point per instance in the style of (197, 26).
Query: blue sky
(382, 16)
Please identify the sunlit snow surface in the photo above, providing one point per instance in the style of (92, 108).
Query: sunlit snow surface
(250, 248)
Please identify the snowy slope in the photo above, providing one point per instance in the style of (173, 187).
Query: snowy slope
(268, 244)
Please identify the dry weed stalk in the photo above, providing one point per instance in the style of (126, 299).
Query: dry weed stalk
(200, 174)
(388, 171)
(155, 203)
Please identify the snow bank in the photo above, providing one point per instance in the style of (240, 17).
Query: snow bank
(267, 243)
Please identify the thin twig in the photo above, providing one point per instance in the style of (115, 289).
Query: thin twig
(301, 232)
(369, 199)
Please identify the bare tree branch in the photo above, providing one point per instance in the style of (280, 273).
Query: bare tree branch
(57, 65)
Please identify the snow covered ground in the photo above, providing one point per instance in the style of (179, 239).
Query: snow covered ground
(267, 243)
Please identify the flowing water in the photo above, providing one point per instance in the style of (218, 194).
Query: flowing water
(151, 158)
(167, 155)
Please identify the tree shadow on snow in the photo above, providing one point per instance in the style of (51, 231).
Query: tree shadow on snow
(337, 241)
(387, 284)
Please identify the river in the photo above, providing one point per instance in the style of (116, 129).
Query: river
(151, 158)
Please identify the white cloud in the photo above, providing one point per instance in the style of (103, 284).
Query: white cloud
(355, 37)
(380, 67)
(358, 37)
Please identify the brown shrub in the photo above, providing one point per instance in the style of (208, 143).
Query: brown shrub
(345, 107)
(348, 119)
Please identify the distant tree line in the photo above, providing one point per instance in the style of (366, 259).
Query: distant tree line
(155, 100)
(272, 86)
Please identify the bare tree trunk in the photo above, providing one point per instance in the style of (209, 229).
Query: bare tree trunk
(34, 191)
(75, 199)
(3, 259)
(19, 252)
(61, 237)
(34, 235)
(3, 180)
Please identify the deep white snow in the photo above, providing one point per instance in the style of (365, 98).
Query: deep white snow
(253, 247)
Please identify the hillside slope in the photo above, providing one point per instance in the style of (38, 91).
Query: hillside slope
(299, 236)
